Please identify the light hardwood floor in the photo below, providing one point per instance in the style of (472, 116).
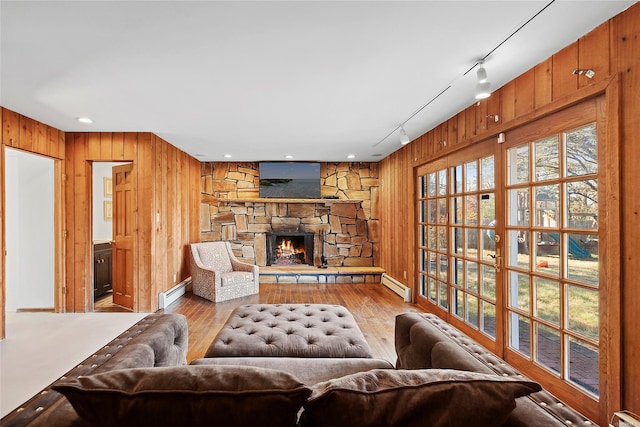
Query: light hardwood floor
(373, 306)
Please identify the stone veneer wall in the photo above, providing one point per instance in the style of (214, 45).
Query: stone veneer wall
(231, 210)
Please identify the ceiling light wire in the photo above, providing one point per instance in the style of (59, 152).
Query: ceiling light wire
(479, 62)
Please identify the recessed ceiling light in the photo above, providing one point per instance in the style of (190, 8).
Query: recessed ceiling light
(288, 156)
(227, 156)
(351, 156)
(84, 120)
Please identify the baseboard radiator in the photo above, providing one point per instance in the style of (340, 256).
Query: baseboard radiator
(166, 298)
(397, 287)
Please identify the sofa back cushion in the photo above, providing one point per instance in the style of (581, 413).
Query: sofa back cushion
(414, 398)
(187, 395)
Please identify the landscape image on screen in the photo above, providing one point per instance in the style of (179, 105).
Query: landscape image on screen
(290, 180)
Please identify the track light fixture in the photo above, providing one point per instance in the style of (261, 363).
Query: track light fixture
(483, 88)
(404, 138)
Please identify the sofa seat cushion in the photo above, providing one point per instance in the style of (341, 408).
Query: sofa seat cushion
(236, 278)
(187, 395)
(290, 330)
(308, 371)
(414, 398)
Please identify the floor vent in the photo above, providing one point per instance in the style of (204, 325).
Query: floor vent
(166, 298)
(397, 287)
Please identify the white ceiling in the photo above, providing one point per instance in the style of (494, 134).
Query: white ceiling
(261, 80)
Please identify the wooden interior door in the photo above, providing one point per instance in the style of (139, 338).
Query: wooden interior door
(123, 234)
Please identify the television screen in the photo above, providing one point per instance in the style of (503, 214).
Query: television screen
(290, 180)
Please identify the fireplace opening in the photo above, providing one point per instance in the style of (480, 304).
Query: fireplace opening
(290, 248)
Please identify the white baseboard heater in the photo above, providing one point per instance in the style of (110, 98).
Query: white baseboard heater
(166, 298)
(397, 287)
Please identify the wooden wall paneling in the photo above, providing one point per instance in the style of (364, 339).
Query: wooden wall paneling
(106, 146)
(194, 201)
(82, 214)
(564, 81)
(462, 127)
(493, 111)
(93, 145)
(173, 236)
(41, 138)
(594, 53)
(162, 236)
(626, 62)
(59, 235)
(145, 170)
(130, 148)
(10, 127)
(452, 133)
(117, 146)
(525, 88)
(3, 245)
(183, 190)
(543, 83)
(25, 140)
(481, 113)
(72, 141)
(508, 102)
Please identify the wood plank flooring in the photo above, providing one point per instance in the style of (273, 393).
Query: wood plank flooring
(373, 306)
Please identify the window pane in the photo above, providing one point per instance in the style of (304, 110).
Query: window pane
(518, 165)
(432, 185)
(433, 211)
(423, 212)
(423, 187)
(472, 243)
(457, 299)
(442, 238)
(547, 206)
(472, 276)
(458, 275)
(581, 151)
(457, 179)
(487, 172)
(471, 210)
(547, 161)
(432, 263)
(583, 311)
(518, 249)
(582, 204)
(488, 282)
(458, 243)
(472, 309)
(431, 230)
(471, 181)
(488, 325)
(548, 347)
(547, 300)
(519, 295)
(487, 208)
(582, 263)
(583, 365)
(519, 207)
(457, 209)
(444, 268)
(442, 211)
(443, 301)
(519, 334)
(423, 285)
(433, 290)
(423, 260)
(487, 244)
(547, 250)
(442, 182)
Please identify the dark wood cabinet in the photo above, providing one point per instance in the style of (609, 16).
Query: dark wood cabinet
(101, 269)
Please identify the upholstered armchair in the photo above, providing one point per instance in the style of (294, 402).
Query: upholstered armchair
(218, 275)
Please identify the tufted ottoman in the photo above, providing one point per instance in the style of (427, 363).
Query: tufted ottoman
(290, 330)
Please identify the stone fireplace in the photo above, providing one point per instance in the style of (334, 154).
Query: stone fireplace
(290, 248)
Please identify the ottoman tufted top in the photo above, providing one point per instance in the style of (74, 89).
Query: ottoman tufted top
(290, 330)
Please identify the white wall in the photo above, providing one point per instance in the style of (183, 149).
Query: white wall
(30, 230)
(102, 229)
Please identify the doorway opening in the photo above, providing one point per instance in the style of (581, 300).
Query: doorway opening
(103, 238)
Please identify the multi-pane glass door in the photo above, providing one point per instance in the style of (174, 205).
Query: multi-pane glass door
(507, 250)
(457, 245)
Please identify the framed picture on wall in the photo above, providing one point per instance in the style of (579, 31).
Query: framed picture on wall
(108, 210)
(107, 187)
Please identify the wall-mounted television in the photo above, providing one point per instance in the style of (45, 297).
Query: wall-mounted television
(290, 180)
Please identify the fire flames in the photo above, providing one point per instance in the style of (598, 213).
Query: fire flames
(287, 253)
